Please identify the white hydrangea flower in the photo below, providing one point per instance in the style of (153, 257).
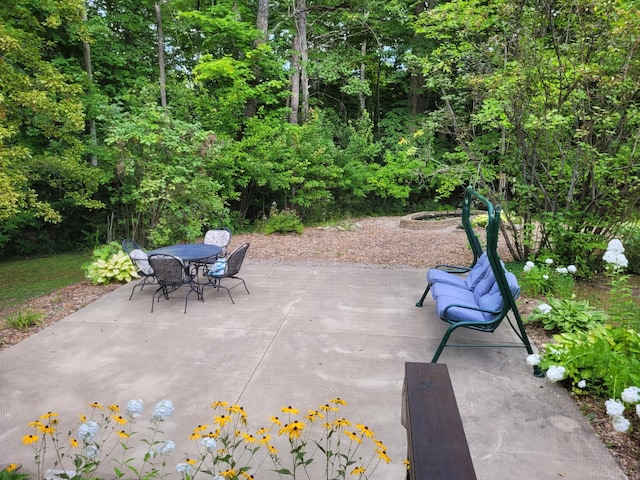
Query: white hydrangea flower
(614, 407)
(582, 384)
(162, 411)
(209, 443)
(615, 246)
(534, 359)
(616, 259)
(562, 270)
(544, 308)
(620, 424)
(134, 408)
(88, 431)
(638, 409)
(183, 468)
(631, 395)
(528, 266)
(555, 373)
(166, 448)
(572, 269)
(545, 276)
(549, 261)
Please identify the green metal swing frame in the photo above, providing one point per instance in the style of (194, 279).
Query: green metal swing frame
(509, 302)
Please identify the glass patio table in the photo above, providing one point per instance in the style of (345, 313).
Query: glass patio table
(190, 252)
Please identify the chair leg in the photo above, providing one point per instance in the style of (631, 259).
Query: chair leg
(424, 295)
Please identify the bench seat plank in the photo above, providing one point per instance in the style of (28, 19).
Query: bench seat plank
(437, 443)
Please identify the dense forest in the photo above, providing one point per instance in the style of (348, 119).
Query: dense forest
(159, 120)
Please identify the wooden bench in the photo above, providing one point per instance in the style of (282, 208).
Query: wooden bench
(437, 445)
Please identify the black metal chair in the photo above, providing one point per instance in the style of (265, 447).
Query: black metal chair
(171, 274)
(229, 269)
(140, 259)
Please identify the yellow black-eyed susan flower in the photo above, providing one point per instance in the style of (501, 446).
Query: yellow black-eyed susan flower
(228, 473)
(358, 471)
(275, 421)
(123, 434)
(338, 401)
(29, 439)
(352, 436)
(114, 408)
(12, 467)
(219, 404)
(365, 430)
(222, 420)
(96, 405)
(382, 455)
(48, 416)
(341, 423)
(73, 442)
(119, 419)
(250, 439)
(290, 410)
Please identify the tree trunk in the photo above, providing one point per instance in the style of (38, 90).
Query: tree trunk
(295, 81)
(299, 60)
(262, 24)
(361, 96)
(88, 68)
(163, 78)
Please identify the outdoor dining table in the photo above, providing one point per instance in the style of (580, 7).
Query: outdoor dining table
(190, 252)
(195, 254)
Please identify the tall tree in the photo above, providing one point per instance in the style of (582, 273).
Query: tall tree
(41, 116)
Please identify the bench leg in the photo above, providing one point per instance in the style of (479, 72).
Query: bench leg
(424, 295)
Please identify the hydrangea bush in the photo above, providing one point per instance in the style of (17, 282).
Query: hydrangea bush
(318, 444)
(544, 278)
(597, 358)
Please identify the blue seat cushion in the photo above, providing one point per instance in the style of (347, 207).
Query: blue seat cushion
(459, 313)
(435, 275)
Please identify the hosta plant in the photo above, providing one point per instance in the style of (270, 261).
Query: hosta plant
(567, 315)
(110, 264)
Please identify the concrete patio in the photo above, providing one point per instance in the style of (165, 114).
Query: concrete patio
(306, 333)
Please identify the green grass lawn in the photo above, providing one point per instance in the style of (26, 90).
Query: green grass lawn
(30, 278)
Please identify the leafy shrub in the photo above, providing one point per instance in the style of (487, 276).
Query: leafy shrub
(282, 221)
(630, 236)
(23, 319)
(109, 263)
(567, 315)
(542, 278)
(604, 359)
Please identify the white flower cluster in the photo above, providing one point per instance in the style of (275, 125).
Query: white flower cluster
(544, 308)
(162, 411)
(614, 255)
(616, 408)
(549, 261)
(555, 373)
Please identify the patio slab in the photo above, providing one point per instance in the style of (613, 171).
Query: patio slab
(306, 333)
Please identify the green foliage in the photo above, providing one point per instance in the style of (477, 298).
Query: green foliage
(13, 475)
(170, 177)
(542, 278)
(23, 319)
(606, 357)
(42, 119)
(629, 234)
(281, 221)
(567, 315)
(109, 263)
